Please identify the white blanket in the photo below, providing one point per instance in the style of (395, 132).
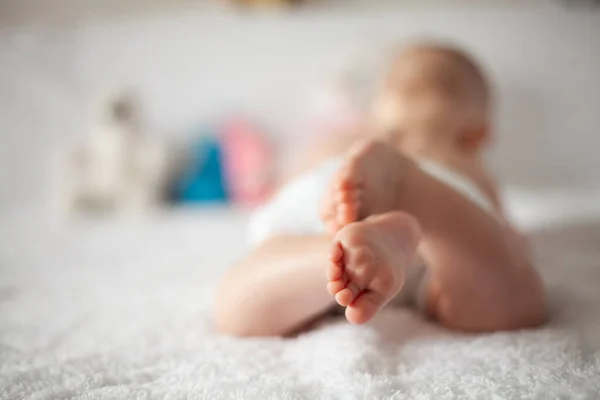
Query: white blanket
(122, 309)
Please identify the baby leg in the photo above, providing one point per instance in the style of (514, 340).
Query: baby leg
(276, 289)
(479, 277)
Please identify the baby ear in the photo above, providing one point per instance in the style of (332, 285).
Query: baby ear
(475, 138)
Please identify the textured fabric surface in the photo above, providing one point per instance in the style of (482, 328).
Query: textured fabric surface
(121, 309)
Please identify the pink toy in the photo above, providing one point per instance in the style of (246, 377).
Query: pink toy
(248, 162)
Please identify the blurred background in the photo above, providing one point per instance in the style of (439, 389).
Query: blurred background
(112, 107)
(221, 93)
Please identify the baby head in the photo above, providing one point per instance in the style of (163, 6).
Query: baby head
(435, 98)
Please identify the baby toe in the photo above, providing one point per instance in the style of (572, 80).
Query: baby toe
(364, 308)
(336, 253)
(333, 272)
(346, 213)
(346, 296)
(334, 287)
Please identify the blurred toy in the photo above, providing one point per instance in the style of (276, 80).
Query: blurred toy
(203, 179)
(248, 162)
(117, 167)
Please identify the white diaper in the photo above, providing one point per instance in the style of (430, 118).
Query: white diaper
(294, 210)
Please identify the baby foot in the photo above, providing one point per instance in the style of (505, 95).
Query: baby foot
(368, 262)
(368, 183)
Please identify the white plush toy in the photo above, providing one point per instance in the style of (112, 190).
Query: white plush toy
(117, 168)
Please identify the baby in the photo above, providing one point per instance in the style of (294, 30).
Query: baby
(407, 210)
